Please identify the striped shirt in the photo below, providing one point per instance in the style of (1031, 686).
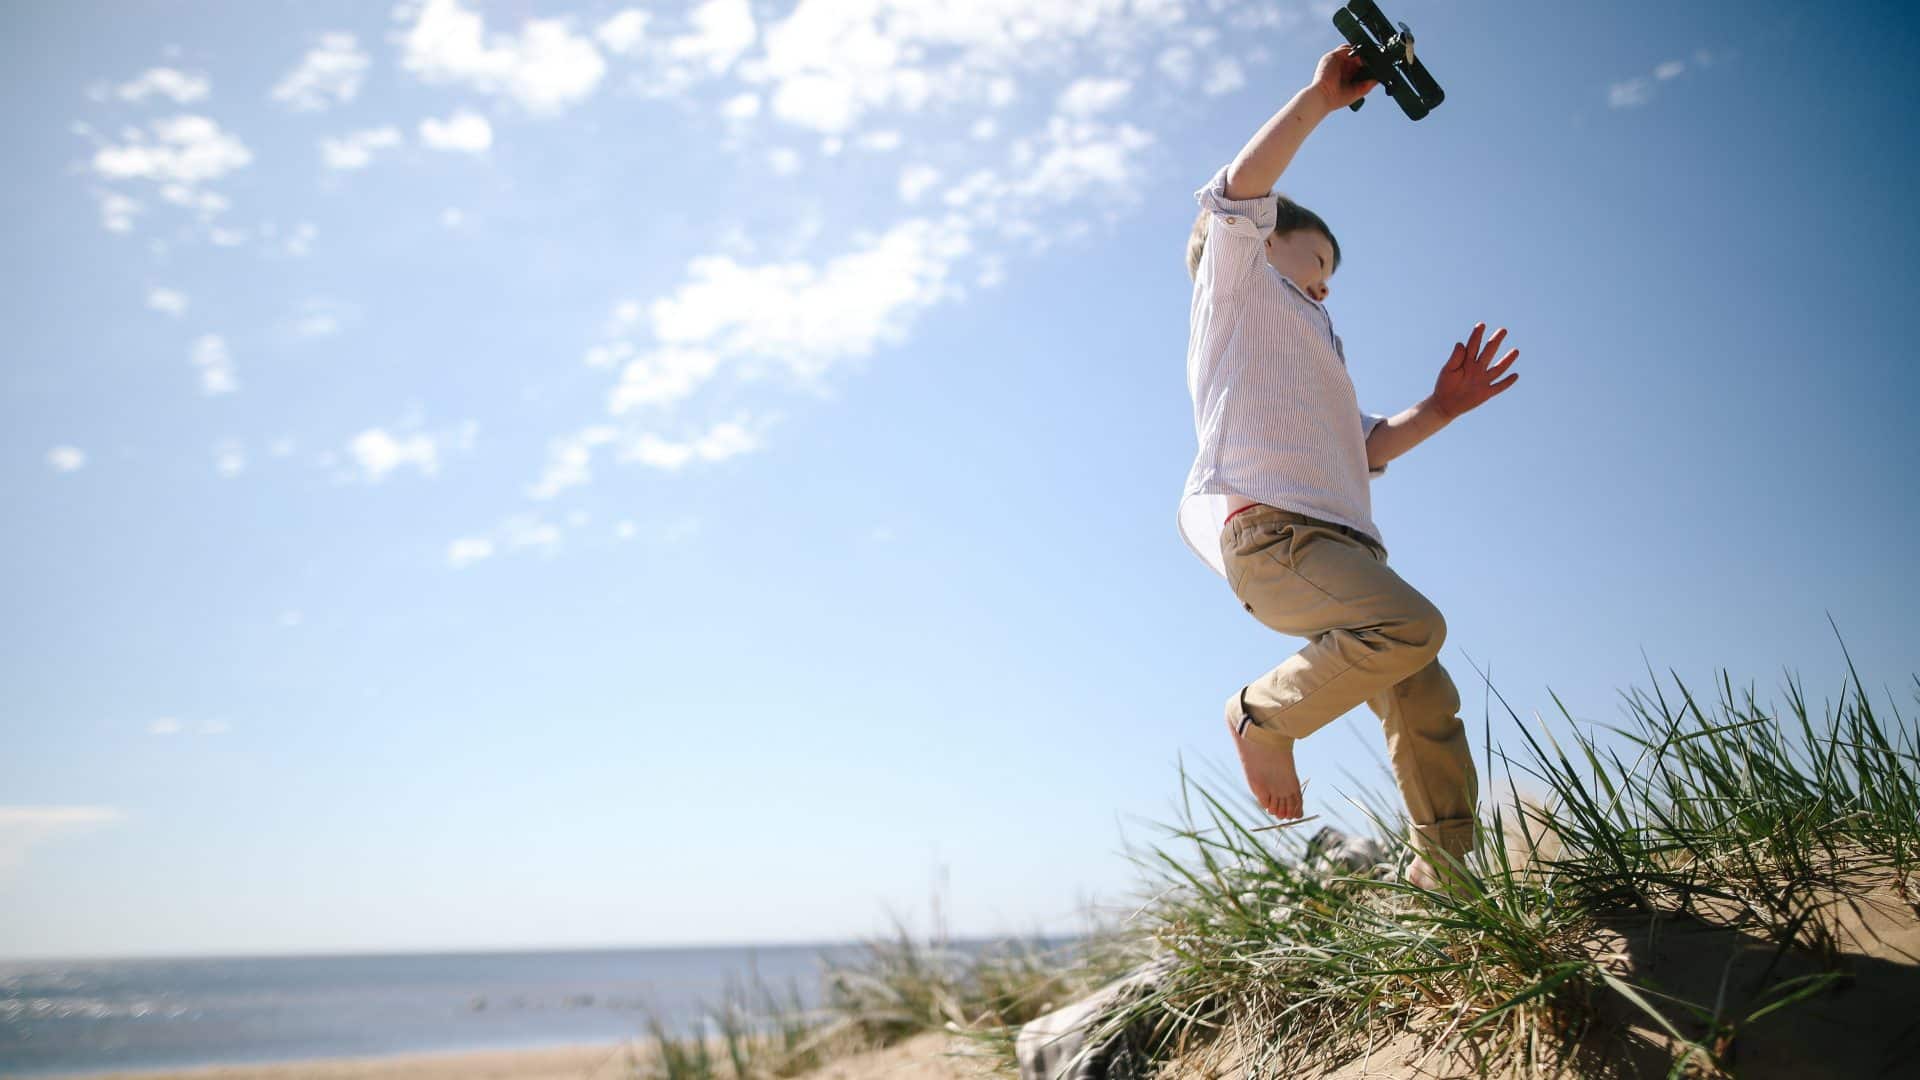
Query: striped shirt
(1273, 405)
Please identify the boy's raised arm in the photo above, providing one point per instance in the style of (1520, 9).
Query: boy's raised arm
(1338, 81)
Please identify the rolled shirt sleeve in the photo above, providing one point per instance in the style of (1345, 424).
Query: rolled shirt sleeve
(1369, 421)
(1236, 234)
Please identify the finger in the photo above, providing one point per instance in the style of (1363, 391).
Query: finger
(1458, 359)
(1494, 371)
(1493, 347)
(1473, 340)
(1504, 383)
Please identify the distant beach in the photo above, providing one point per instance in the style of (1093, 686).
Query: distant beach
(598, 1062)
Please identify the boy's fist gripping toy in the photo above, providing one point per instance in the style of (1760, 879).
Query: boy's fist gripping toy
(1388, 55)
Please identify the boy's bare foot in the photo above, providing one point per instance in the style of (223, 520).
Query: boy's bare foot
(1421, 874)
(1270, 774)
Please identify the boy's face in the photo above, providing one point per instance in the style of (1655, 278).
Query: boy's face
(1305, 257)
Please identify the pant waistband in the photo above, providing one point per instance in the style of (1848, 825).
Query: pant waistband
(1250, 518)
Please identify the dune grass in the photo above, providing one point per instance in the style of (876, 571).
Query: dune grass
(1746, 818)
(896, 987)
(1738, 816)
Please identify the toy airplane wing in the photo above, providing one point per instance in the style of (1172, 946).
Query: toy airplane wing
(1388, 54)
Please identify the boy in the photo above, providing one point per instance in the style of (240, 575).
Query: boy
(1278, 501)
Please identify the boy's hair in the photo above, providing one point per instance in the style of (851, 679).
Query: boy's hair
(1292, 217)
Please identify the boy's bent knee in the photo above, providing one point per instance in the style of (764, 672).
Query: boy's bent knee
(1419, 636)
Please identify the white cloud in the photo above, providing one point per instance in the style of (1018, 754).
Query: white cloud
(229, 459)
(569, 461)
(183, 88)
(826, 68)
(468, 550)
(207, 203)
(722, 30)
(167, 301)
(1223, 78)
(546, 68)
(1639, 90)
(1625, 95)
(117, 211)
(186, 150)
(322, 317)
(24, 827)
(300, 239)
(1176, 63)
(210, 355)
(623, 33)
(378, 453)
(805, 317)
(915, 180)
(329, 74)
(662, 377)
(214, 727)
(527, 530)
(291, 618)
(721, 441)
(833, 61)
(451, 217)
(354, 150)
(1084, 97)
(166, 725)
(66, 458)
(518, 532)
(464, 130)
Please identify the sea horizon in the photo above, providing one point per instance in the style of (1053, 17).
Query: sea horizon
(62, 1016)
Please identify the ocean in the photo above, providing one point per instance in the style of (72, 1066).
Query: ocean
(74, 1016)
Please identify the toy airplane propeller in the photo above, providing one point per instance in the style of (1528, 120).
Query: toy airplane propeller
(1389, 57)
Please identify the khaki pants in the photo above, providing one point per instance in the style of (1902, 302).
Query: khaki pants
(1373, 639)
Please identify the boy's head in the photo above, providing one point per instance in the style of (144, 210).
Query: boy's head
(1300, 246)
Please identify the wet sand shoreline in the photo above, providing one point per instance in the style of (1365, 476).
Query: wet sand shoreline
(591, 1061)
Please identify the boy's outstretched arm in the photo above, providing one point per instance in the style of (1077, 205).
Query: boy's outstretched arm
(1338, 81)
(1468, 380)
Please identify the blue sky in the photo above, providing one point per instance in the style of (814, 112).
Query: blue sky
(492, 475)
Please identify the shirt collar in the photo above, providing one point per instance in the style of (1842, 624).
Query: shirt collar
(1295, 286)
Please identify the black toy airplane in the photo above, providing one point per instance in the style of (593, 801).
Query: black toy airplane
(1389, 58)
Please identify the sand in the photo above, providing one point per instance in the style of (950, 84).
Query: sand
(923, 1057)
(599, 1062)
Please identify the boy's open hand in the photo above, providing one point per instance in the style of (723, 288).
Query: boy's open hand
(1341, 78)
(1467, 381)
